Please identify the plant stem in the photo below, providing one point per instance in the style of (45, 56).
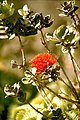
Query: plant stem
(74, 67)
(72, 17)
(76, 21)
(46, 46)
(64, 82)
(77, 16)
(72, 87)
(70, 100)
(39, 86)
(43, 41)
(66, 85)
(22, 52)
(49, 101)
(36, 110)
(76, 63)
(43, 97)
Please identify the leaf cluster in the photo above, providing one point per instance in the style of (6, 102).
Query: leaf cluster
(54, 115)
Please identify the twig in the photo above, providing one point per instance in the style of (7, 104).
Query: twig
(22, 52)
(43, 85)
(72, 87)
(77, 16)
(43, 41)
(49, 101)
(70, 100)
(39, 86)
(72, 17)
(43, 97)
(74, 67)
(36, 110)
(76, 63)
(64, 82)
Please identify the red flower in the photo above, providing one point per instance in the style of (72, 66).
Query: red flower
(40, 62)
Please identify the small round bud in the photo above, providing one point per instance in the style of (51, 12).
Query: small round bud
(13, 64)
(19, 66)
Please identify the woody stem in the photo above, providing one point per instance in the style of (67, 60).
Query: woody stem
(36, 109)
(46, 46)
(22, 52)
(70, 100)
(43, 41)
(74, 67)
(72, 87)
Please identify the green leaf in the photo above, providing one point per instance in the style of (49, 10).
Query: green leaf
(58, 111)
(6, 9)
(60, 31)
(69, 37)
(54, 115)
(22, 96)
(22, 29)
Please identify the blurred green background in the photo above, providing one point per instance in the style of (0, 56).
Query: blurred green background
(10, 49)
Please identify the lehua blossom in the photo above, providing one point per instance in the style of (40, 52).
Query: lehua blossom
(42, 61)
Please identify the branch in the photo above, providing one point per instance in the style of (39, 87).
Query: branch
(64, 82)
(72, 59)
(43, 41)
(72, 87)
(70, 100)
(43, 97)
(49, 101)
(77, 16)
(36, 110)
(76, 63)
(22, 52)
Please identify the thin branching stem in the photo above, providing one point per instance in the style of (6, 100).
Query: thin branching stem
(72, 87)
(61, 92)
(22, 52)
(36, 110)
(66, 85)
(76, 63)
(77, 16)
(72, 17)
(43, 41)
(46, 46)
(74, 67)
(59, 96)
(64, 82)
(43, 96)
(50, 90)
(49, 101)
